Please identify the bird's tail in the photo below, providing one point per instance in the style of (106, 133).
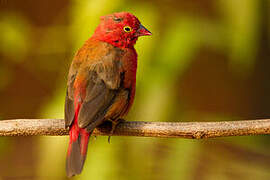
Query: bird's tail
(77, 150)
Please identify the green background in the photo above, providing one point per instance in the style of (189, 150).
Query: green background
(206, 61)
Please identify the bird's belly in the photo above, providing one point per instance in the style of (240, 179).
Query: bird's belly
(119, 106)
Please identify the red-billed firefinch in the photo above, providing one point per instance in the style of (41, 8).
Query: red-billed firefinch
(101, 82)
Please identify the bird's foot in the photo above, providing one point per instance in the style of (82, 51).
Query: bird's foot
(114, 124)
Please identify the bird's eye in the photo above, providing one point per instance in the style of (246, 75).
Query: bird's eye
(127, 29)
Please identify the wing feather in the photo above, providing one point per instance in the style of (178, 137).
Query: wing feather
(103, 82)
(69, 102)
(102, 87)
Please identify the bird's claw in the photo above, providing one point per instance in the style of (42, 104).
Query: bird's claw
(114, 124)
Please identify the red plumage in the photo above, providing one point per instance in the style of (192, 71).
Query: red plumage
(101, 82)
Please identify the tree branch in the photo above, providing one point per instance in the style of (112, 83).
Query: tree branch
(194, 130)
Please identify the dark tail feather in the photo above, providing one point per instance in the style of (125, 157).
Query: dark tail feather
(77, 153)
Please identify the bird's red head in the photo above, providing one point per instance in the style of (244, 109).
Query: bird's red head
(120, 29)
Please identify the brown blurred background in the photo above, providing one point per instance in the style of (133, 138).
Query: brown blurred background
(206, 61)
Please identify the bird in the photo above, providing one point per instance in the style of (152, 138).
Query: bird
(101, 82)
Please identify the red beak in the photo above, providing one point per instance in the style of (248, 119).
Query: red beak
(142, 31)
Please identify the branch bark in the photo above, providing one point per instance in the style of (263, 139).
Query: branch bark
(193, 130)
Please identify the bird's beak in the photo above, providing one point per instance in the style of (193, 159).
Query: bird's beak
(142, 31)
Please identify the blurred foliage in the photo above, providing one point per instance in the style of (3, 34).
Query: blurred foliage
(206, 61)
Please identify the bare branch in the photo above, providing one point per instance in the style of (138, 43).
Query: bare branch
(194, 130)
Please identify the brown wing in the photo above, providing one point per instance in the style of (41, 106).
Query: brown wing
(98, 66)
(103, 81)
(69, 102)
(102, 88)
